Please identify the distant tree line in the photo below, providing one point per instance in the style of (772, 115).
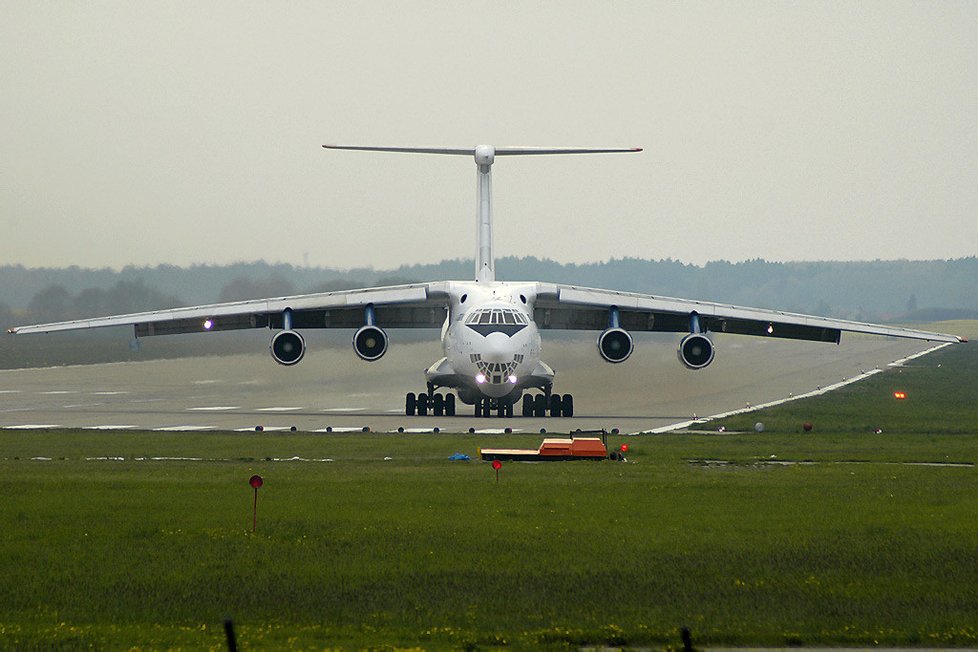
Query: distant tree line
(875, 290)
(901, 291)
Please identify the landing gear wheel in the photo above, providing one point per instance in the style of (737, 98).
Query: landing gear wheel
(478, 408)
(567, 405)
(527, 405)
(438, 405)
(410, 404)
(555, 404)
(540, 405)
(450, 405)
(422, 405)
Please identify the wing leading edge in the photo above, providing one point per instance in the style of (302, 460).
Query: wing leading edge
(577, 308)
(417, 305)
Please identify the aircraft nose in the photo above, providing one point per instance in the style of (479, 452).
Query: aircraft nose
(497, 348)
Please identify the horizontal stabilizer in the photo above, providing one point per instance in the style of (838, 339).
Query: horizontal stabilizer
(499, 151)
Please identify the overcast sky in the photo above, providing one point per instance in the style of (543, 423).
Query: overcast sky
(191, 132)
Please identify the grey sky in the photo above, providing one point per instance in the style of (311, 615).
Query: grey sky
(190, 132)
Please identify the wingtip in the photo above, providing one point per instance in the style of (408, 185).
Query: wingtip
(12, 331)
(962, 339)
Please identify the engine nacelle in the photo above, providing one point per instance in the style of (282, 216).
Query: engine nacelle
(287, 347)
(370, 343)
(615, 345)
(696, 351)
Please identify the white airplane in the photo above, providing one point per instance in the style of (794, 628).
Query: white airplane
(490, 330)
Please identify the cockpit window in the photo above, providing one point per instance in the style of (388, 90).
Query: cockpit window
(506, 320)
(496, 316)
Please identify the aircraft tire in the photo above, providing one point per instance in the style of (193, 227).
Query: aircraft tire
(540, 405)
(555, 405)
(478, 407)
(449, 405)
(437, 405)
(422, 405)
(567, 405)
(505, 408)
(527, 405)
(410, 404)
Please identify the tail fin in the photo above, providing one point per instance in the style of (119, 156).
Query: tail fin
(484, 155)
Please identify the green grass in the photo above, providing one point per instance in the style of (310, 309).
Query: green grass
(418, 551)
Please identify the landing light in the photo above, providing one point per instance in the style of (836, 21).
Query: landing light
(208, 324)
(899, 395)
(770, 328)
(480, 378)
(512, 379)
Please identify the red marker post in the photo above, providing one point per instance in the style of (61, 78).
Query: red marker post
(255, 481)
(496, 464)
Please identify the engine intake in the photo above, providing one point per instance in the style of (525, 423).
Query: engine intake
(615, 345)
(370, 343)
(287, 347)
(696, 351)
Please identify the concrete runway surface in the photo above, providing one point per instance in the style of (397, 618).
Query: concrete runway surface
(332, 388)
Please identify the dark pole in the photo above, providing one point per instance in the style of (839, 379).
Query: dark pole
(687, 640)
(229, 632)
(254, 513)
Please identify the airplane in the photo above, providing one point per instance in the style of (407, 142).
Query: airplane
(490, 330)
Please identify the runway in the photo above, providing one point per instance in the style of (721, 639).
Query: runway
(331, 389)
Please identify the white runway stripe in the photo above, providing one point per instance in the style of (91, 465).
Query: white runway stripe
(33, 426)
(128, 427)
(214, 408)
(344, 409)
(182, 428)
(278, 409)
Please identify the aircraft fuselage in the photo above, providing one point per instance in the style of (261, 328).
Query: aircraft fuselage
(492, 345)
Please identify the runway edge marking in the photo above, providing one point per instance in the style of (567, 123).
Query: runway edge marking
(818, 392)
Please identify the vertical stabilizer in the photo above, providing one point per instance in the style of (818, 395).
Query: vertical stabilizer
(485, 155)
(485, 262)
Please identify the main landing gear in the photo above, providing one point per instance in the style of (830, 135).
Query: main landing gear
(539, 405)
(554, 404)
(438, 404)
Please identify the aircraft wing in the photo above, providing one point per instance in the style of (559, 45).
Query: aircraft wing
(416, 305)
(577, 308)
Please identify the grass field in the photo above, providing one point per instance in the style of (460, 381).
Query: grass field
(853, 547)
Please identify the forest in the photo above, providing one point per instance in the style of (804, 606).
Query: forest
(900, 291)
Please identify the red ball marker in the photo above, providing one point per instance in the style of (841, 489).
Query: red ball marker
(496, 464)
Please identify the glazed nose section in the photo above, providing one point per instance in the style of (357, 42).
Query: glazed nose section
(497, 348)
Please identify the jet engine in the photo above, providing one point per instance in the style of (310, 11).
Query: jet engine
(370, 342)
(615, 344)
(696, 351)
(287, 347)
